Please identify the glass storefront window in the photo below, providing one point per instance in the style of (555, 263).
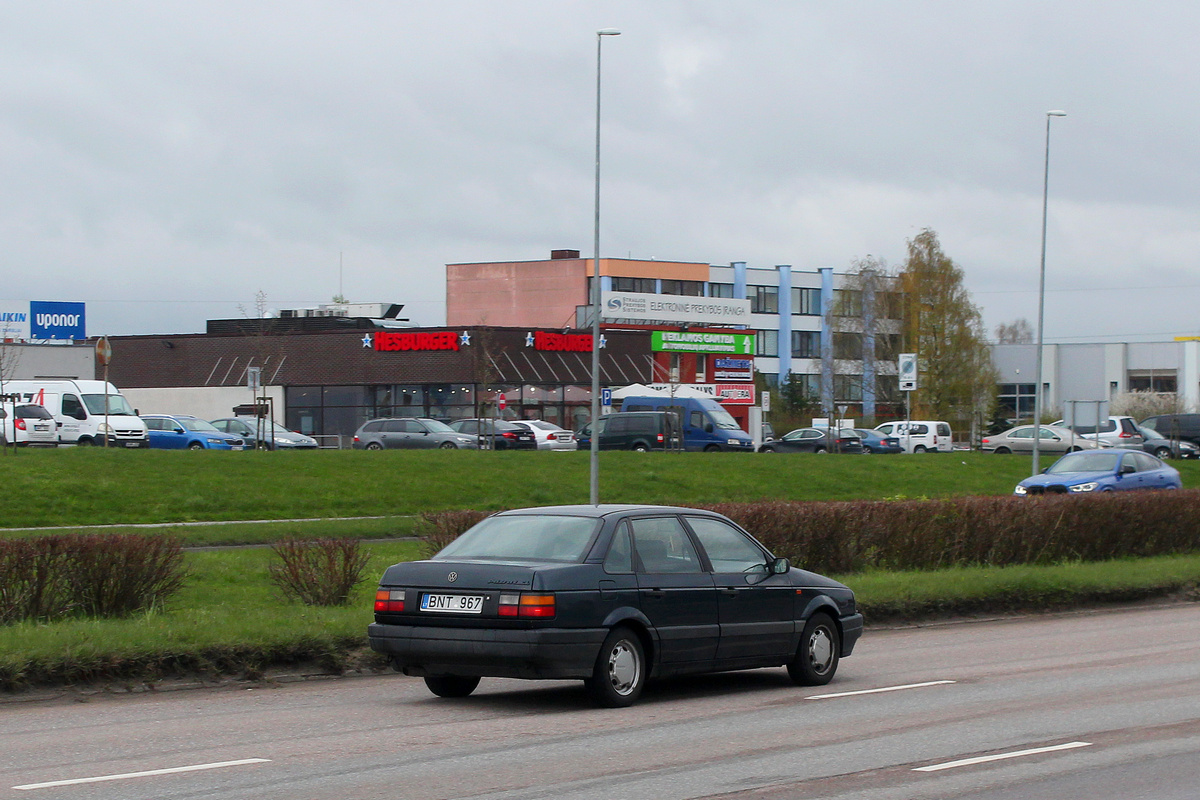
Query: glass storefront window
(346, 396)
(303, 396)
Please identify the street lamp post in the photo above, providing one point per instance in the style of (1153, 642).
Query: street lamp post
(594, 476)
(1037, 387)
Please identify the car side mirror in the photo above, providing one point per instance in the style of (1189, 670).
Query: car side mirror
(1128, 469)
(780, 566)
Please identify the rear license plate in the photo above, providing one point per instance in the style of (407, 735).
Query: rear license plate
(41, 427)
(452, 603)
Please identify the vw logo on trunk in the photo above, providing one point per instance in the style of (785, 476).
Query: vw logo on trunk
(452, 577)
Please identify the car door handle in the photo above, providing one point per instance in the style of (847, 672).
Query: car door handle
(729, 591)
(654, 592)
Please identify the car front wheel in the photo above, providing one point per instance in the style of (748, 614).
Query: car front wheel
(620, 672)
(1163, 452)
(448, 446)
(451, 685)
(816, 659)
(195, 446)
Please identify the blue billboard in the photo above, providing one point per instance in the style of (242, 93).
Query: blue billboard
(57, 320)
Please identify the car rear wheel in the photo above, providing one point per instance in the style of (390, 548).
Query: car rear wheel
(1002, 451)
(820, 451)
(448, 446)
(816, 659)
(374, 446)
(1163, 452)
(452, 685)
(919, 448)
(620, 672)
(640, 447)
(195, 446)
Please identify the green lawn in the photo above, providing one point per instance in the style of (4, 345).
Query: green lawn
(77, 486)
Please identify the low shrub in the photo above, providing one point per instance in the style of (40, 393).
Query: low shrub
(98, 575)
(318, 572)
(437, 529)
(853, 536)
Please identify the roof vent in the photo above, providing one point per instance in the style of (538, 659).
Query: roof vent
(561, 254)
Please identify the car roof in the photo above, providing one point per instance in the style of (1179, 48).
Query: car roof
(605, 510)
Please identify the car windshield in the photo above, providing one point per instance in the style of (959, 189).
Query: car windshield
(197, 425)
(540, 537)
(723, 420)
(1085, 462)
(117, 406)
(437, 427)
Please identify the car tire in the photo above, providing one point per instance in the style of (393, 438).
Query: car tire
(374, 446)
(84, 442)
(919, 449)
(765, 449)
(816, 659)
(448, 446)
(195, 446)
(1163, 452)
(712, 448)
(1002, 451)
(640, 447)
(820, 451)
(620, 672)
(1075, 449)
(452, 685)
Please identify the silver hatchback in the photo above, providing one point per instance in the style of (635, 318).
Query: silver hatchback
(411, 433)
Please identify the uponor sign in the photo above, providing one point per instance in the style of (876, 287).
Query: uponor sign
(39, 320)
(635, 307)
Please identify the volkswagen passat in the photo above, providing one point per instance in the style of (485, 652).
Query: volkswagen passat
(612, 595)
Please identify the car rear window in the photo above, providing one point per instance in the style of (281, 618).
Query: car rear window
(33, 412)
(520, 537)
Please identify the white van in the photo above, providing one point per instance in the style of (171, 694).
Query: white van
(920, 435)
(79, 408)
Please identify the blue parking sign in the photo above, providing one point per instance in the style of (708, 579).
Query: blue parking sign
(606, 397)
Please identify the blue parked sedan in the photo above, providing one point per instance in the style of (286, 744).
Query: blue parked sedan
(876, 442)
(1101, 471)
(185, 432)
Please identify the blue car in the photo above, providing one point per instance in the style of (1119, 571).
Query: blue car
(1112, 470)
(877, 442)
(185, 432)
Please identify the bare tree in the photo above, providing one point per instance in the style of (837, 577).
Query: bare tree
(1019, 331)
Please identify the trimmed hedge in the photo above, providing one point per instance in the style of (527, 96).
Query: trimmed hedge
(854, 536)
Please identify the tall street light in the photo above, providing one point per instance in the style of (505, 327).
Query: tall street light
(594, 482)
(1037, 388)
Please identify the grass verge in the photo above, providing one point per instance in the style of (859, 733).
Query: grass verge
(230, 621)
(91, 486)
(223, 534)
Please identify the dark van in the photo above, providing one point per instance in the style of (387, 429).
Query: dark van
(642, 430)
(706, 425)
(1176, 426)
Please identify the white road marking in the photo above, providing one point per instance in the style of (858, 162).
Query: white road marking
(966, 762)
(147, 773)
(877, 691)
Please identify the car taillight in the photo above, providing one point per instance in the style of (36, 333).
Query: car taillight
(389, 601)
(986, 440)
(20, 423)
(527, 605)
(509, 435)
(356, 438)
(659, 437)
(1124, 435)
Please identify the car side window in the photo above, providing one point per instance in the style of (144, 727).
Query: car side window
(728, 548)
(662, 545)
(696, 419)
(71, 407)
(1023, 433)
(151, 424)
(620, 551)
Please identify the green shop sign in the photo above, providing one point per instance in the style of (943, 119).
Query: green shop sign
(687, 342)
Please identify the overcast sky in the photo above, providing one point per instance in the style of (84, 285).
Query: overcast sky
(164, 162)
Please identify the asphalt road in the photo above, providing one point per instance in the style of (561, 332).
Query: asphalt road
(1089, 705)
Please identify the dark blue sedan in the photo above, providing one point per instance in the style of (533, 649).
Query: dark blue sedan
(613, 595)
(1112, 470)
(876, 442)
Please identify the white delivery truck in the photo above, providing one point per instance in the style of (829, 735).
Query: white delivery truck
(87, 412)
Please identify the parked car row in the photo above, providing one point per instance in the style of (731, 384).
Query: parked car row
(469, 434)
